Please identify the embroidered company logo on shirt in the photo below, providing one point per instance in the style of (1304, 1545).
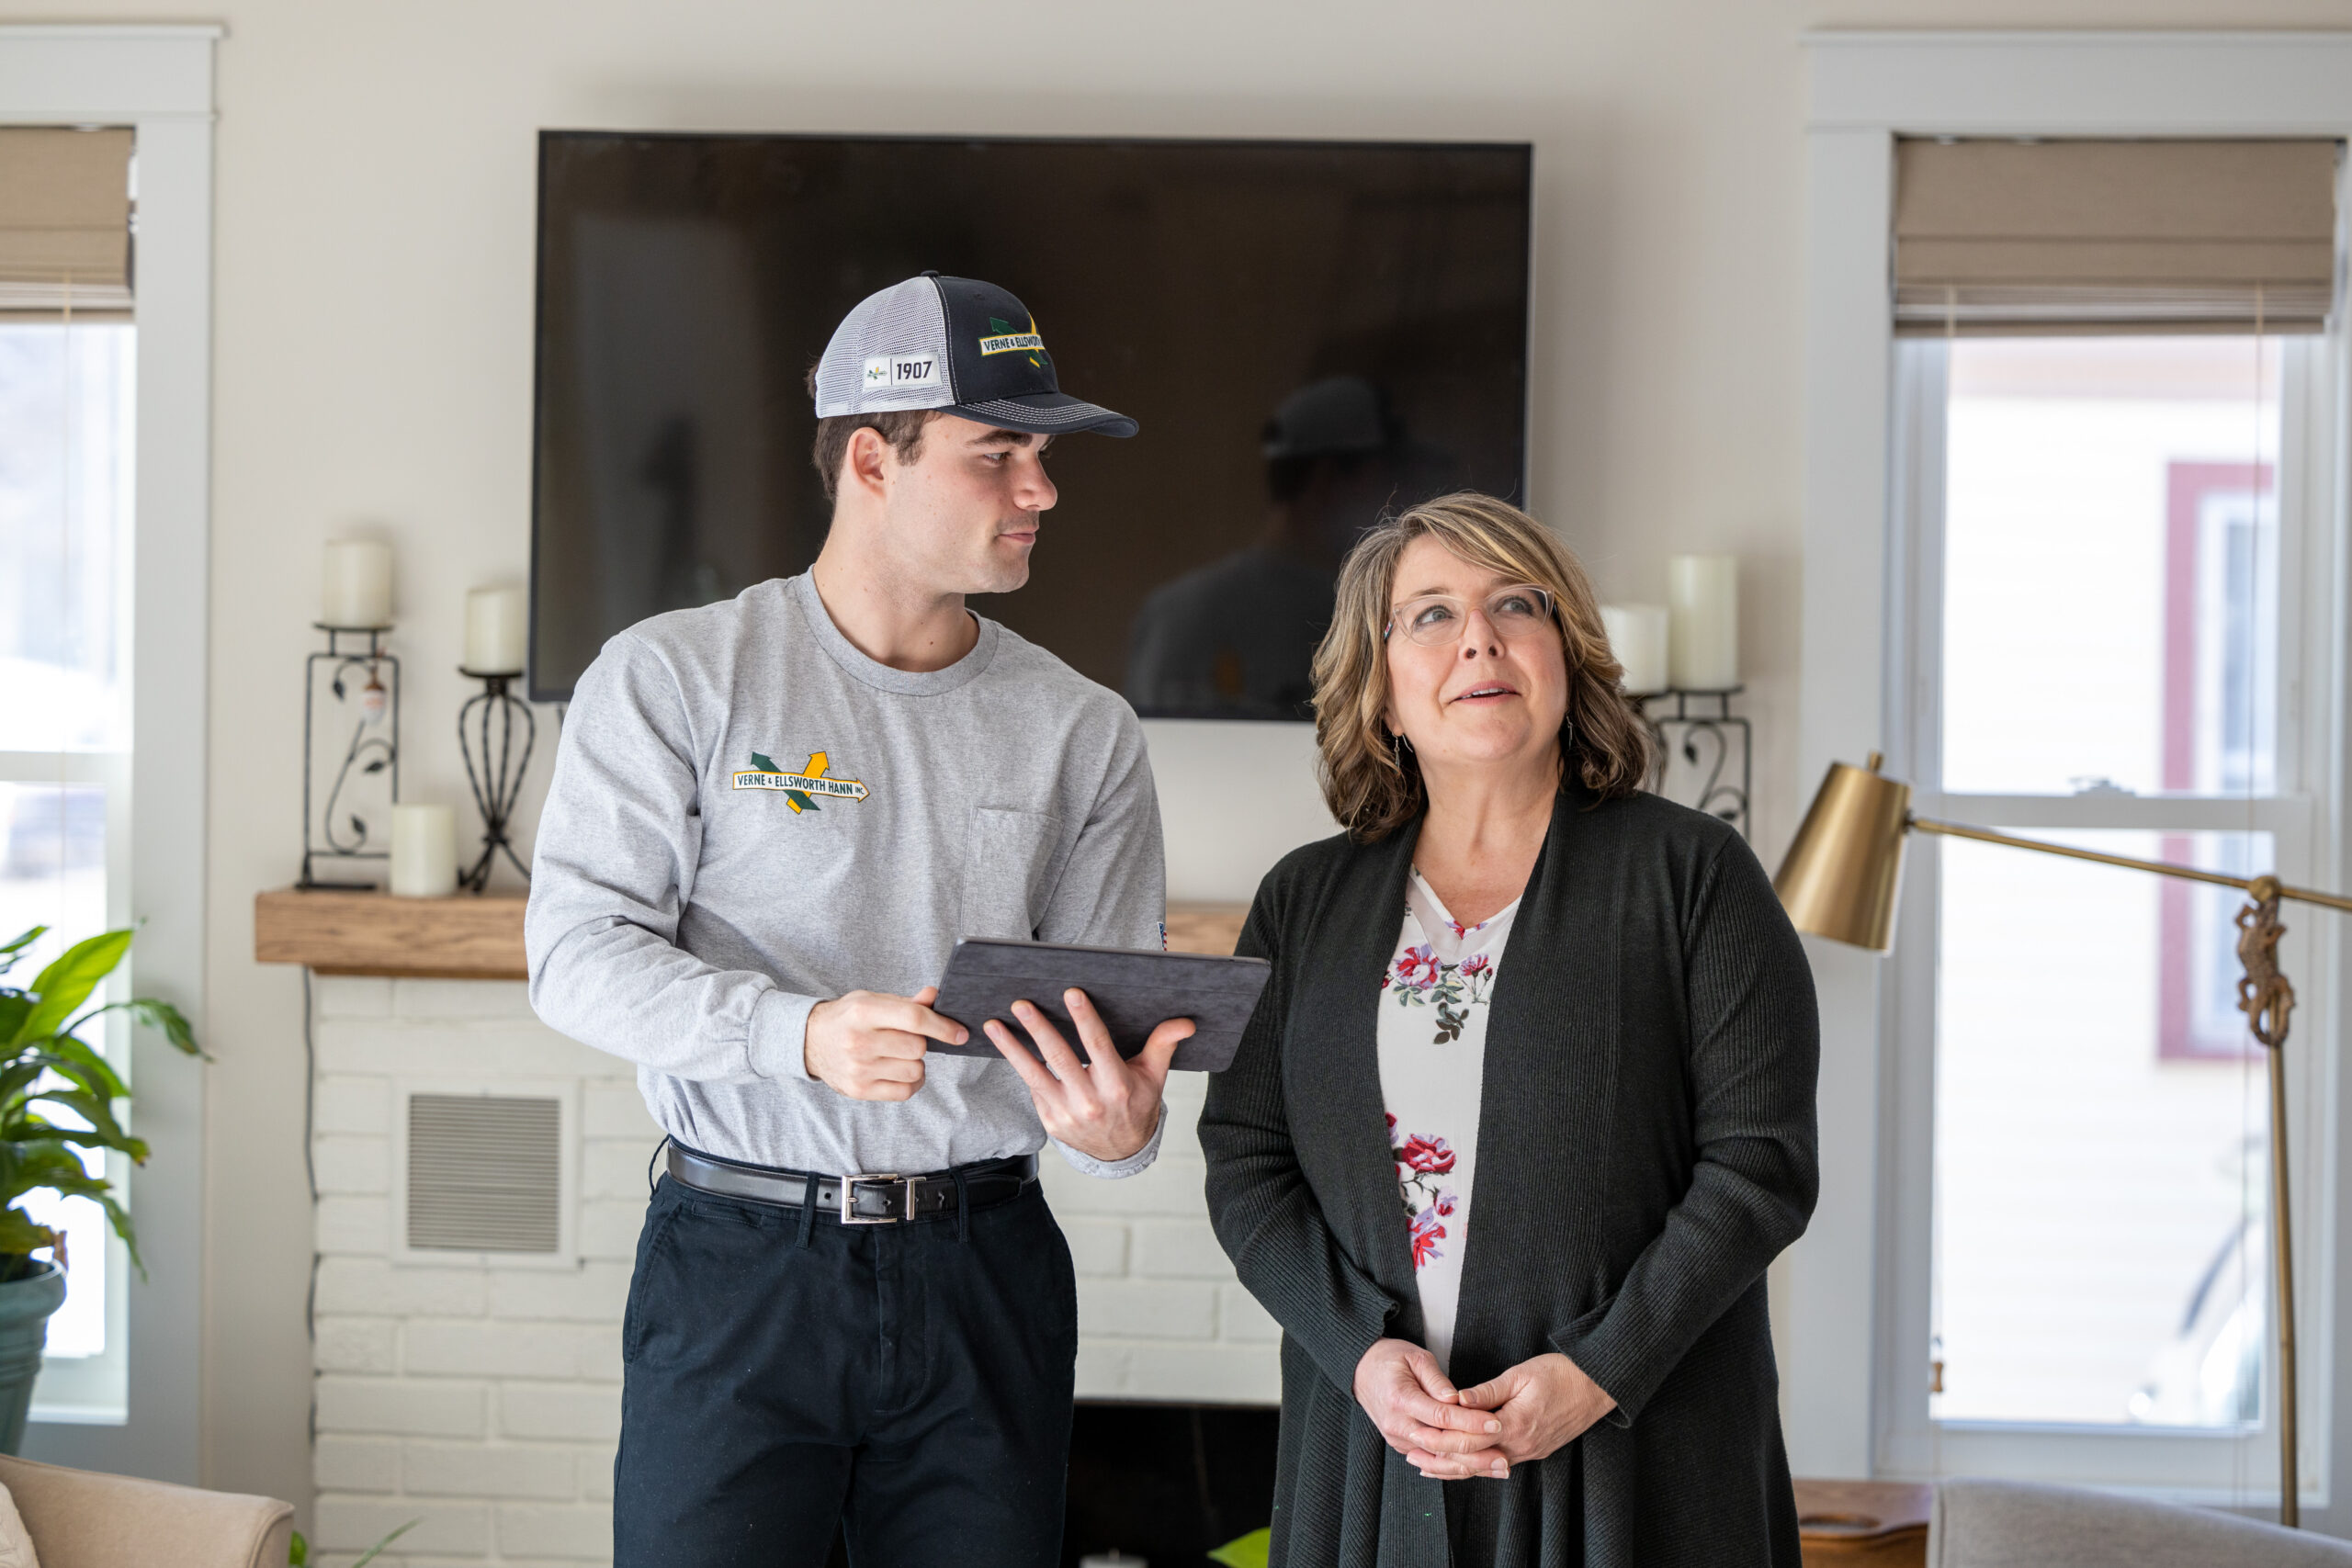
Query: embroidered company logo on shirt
(798, 788)
(1007, 341)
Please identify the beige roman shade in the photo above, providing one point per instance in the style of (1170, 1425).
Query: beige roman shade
(64, 221)
(2021, 237)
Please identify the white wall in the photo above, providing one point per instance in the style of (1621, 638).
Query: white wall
(373, 339)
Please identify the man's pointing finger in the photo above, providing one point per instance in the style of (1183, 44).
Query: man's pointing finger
(916, 1017)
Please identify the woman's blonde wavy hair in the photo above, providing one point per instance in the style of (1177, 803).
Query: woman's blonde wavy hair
(1372, 785)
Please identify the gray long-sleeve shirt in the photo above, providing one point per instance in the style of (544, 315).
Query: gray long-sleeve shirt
(748, 816)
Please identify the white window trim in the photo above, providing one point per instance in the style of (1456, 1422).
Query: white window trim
(157, 80)
(1864, 89)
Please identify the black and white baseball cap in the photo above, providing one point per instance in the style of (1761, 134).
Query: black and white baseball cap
(955, 343)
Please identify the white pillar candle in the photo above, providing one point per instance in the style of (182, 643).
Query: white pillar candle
(425, 851)
(496, 623)
(358, 584)
(1637, 636)
(1703, 640)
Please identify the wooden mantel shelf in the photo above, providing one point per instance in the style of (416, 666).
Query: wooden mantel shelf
(465, 938)
(1205, 928)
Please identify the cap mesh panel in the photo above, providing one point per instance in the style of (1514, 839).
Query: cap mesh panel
(904, 318)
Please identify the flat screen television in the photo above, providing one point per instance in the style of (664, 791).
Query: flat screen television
(1308, 332)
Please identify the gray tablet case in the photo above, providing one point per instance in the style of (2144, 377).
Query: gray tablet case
(1134, 989)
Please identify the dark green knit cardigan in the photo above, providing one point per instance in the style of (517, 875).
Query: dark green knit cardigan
(1646, 1148)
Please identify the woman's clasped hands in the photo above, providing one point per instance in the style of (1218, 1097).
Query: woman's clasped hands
(1528, 1412)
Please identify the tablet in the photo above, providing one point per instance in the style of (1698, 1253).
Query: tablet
(1133, 988)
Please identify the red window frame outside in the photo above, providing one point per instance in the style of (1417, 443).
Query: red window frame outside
(2186, 487)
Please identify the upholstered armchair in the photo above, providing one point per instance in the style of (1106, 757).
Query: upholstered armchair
(80, 1518)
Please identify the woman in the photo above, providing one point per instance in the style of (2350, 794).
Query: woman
(1527, 1107)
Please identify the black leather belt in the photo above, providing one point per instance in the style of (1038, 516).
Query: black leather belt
(871, 1198)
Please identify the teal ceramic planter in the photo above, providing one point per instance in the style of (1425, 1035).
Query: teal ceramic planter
(25, 1308)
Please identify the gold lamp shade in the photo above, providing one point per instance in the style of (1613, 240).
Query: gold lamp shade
(1845, 866)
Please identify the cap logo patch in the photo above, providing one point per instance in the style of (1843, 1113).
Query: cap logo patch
(892, 372)
(1007, 341)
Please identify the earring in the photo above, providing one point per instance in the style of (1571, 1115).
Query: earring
(1567, 736)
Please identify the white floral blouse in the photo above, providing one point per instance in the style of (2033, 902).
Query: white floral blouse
(1432, 1055)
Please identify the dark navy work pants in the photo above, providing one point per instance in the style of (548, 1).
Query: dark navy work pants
(910, 1383)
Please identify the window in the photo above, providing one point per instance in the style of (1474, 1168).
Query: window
(66, 519)
(68, 458)
(2103, 656)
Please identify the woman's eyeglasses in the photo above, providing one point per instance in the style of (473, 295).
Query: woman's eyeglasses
(1435, 620)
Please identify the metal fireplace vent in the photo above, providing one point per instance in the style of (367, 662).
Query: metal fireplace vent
(485, 1173)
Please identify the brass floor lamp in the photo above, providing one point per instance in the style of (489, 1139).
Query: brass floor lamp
(1839, 880)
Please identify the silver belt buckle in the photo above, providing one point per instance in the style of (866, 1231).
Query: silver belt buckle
(848, 1198)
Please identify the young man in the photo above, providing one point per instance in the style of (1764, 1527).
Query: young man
(771, 820)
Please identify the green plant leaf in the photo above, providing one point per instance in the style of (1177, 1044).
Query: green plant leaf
(16, 950)
(154, 1014)
(16, 1079)
(50, 1077)
(54, 1167)
(119, 1218)
(44, 1160)
(372, 1552)
(1246, 1552)
(78, 1137)
(34, 1162)
(298, 1552)
(78, 1060)
(97, 1113)
(20, 1237)
(27, 1130)
(66, 984)
(79, 1186)
(67, 1057)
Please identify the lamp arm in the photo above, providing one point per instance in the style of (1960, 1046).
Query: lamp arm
(2162, 868)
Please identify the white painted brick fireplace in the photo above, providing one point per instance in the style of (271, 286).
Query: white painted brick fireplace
(485, 1401)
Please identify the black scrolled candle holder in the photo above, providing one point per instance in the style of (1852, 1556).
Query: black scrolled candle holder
(494, 769)
(1702, 739)
(363, 685)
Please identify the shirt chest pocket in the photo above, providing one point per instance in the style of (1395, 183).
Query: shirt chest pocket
(1009, 872)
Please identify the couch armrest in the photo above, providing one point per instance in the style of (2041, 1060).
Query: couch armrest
(1992, 1524)
(81, 1519)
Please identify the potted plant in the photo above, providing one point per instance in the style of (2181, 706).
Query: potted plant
(57, 1097)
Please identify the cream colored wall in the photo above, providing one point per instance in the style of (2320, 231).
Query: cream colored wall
(373, 341)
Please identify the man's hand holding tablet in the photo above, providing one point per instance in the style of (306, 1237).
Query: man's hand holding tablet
(1107, 1106)
(869, 1045)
